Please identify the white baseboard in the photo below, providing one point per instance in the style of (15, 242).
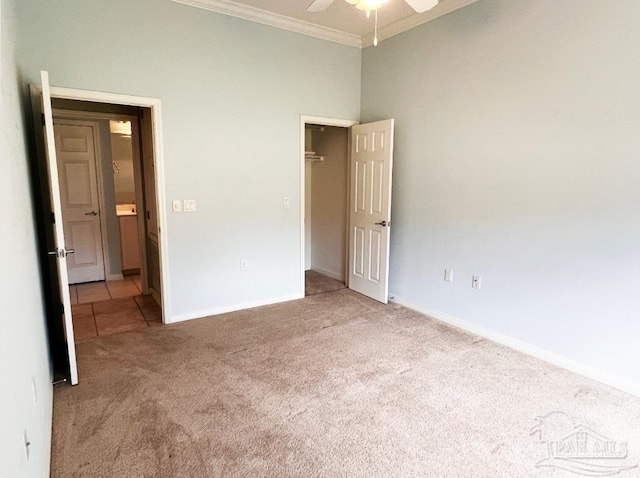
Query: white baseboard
(232, 308)
(328, 273)
(569, 364)
(111, 277)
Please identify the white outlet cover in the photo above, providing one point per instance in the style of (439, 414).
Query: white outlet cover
(448, 275)
(189, 205)
(476, 282)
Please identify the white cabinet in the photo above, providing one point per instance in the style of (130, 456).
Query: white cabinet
(129, 243)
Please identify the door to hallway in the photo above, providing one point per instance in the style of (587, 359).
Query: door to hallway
(76, 150)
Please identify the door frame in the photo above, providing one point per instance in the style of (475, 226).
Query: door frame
(68, 121)
(322, 121)
(155, 105)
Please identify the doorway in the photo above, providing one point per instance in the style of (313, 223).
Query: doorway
(55, 251)
(106, 171)
(325, 213)
(366, 224)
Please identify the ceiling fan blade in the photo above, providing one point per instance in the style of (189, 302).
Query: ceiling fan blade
(422, 5)
(319, 5)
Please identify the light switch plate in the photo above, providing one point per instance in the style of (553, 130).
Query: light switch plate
(287, 203)
(189, 205)
(448, 275)
(177, 206)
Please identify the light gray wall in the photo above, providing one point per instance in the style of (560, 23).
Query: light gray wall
(517, 146)
(113, 226)
(232, 94)
(23, 343)
(329, 202)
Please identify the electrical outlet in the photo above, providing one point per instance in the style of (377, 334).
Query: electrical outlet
(476, 282)
(448, 275)
(177, 206)
(243, 265)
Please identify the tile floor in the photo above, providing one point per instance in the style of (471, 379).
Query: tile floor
(105, 308)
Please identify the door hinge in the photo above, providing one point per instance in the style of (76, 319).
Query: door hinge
(44, 122)
(53, 218)
(62, 309)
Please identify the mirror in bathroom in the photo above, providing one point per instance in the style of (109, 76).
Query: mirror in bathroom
(122, 157)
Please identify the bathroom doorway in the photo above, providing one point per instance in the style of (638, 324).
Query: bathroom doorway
(92, 106)
(107, 182)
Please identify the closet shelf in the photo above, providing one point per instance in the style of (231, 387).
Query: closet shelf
(312, 157)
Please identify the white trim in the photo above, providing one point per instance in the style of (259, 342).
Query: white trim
(413, 21)
(283, 22)
(113, 277)
(323, 121)
(569, 364)
(158, 150)
(233, 308)
(264, 17)
(328, 273)
(103, 97)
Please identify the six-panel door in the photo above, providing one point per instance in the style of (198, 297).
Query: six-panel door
(370, 208)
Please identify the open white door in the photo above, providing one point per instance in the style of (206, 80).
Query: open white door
(60, 251)
(370, 208)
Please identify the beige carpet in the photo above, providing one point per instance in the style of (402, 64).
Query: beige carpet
(334, 385)
(316, 283)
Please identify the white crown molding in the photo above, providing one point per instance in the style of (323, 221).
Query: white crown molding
(283, 22)
(253, 14)
(415, 20)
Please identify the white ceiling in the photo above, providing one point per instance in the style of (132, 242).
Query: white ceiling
(341, 22)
